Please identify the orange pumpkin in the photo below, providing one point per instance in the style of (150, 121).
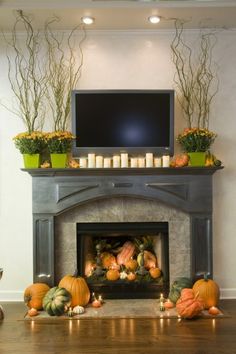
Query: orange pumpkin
(181, 160)
(188, 305)
(113, 274)
(155, 272)
(34, 294)
(108, 260)
(132, 264)
(78, 289)
(131, 276)
(208, 291)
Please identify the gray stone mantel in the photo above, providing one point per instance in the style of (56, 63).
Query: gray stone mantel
(57, 190)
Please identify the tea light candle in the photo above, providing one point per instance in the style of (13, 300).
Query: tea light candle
(166, 161)
(141, 162)
(91, 161)
(116, 161)
(157, 162)
(83, 162)
(168, 304)
(149, 159)
(124, 160)
(96, 303)
(99, 161)
(213, 311)
(107, 162)
(134, 162)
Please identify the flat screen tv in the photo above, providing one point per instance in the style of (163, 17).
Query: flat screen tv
(113, 121)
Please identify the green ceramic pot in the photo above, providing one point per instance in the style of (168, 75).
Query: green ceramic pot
(197, 158)
(58, 160)
(31, 160)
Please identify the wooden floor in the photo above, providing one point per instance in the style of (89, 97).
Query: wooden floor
(169, 336)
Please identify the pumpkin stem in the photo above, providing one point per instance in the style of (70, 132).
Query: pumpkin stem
(205, 276)
(76, 273)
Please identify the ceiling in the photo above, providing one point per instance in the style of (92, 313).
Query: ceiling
(121, 14)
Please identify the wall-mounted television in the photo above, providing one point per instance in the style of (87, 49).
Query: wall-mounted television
(112, 121)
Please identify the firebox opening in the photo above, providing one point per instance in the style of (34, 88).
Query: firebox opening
(124, 260)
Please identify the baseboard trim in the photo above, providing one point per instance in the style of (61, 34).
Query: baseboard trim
(228, 293)
(11, 296)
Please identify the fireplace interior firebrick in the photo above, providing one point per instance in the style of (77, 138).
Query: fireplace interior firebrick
(105, 246)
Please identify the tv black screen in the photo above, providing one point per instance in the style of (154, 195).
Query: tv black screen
(114, 121)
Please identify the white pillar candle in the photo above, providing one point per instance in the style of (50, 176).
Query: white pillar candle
(99, 161)
(116, 161)
(141, 162)
(91, 161)
(157, 162)
(107, 162)
(149, 159)
(166, 161)
(124, 160)
(83, 162)
(134, 162)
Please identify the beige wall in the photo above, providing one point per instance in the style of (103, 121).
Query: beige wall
(121, 60)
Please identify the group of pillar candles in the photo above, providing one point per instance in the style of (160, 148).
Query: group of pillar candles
(123, 161)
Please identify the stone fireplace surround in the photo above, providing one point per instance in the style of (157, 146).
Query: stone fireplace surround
(64, 197)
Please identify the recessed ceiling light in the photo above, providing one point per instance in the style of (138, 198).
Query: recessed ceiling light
(87, 20)
(154, 19)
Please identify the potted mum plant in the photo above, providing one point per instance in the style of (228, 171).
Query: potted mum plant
(59, 144)
(196, 142)
(31, 145)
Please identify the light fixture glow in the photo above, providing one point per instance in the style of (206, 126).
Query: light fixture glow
(87, 20)
(154, 19)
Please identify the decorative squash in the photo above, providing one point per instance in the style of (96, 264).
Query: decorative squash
(188, 305)
(177, 286)
(150, 260)
(126, 253)
(132, 264)
(113, 274)
(78, 310)
(34, 294)
(155, 272)
(78, 289)
(108, 260)
(56, 301)
(208, 291)
(131, 276)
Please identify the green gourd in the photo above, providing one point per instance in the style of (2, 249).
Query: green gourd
(56, 301)
(177, 286)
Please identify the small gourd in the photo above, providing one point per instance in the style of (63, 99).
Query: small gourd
(123, 275)
(78, 310)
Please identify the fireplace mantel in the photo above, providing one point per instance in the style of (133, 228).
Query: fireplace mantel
(57, 190)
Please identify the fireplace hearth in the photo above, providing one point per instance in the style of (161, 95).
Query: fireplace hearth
(102, 247)
(181, 197)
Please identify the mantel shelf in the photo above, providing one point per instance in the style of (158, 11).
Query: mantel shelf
(50, 172)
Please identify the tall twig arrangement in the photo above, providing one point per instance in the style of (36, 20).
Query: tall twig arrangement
(25, 74)
(63, 71)
(196, 76)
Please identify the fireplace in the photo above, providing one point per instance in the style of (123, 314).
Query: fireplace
(116, 248)
(64, 199)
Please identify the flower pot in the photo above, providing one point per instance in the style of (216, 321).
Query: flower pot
(58, 160)
(31, 160)
(197, 158)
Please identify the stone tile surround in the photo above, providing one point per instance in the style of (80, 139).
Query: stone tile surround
(123, 209)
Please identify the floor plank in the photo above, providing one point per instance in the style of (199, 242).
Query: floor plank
(103, 336)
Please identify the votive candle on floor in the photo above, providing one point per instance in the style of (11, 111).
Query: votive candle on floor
(124, 160)
(116, 161)
(107, 162)
(91, 161)
(157, 162)
(141, 162)
(83, 162)
(166, 161)
(134, 162)
(99, 161)
(149, 159)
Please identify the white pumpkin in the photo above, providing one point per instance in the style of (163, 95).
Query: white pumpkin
(123, 275)
(78, 310)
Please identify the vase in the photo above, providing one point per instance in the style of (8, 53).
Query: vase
(31, 160)
(197, 158)
(58, 160)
